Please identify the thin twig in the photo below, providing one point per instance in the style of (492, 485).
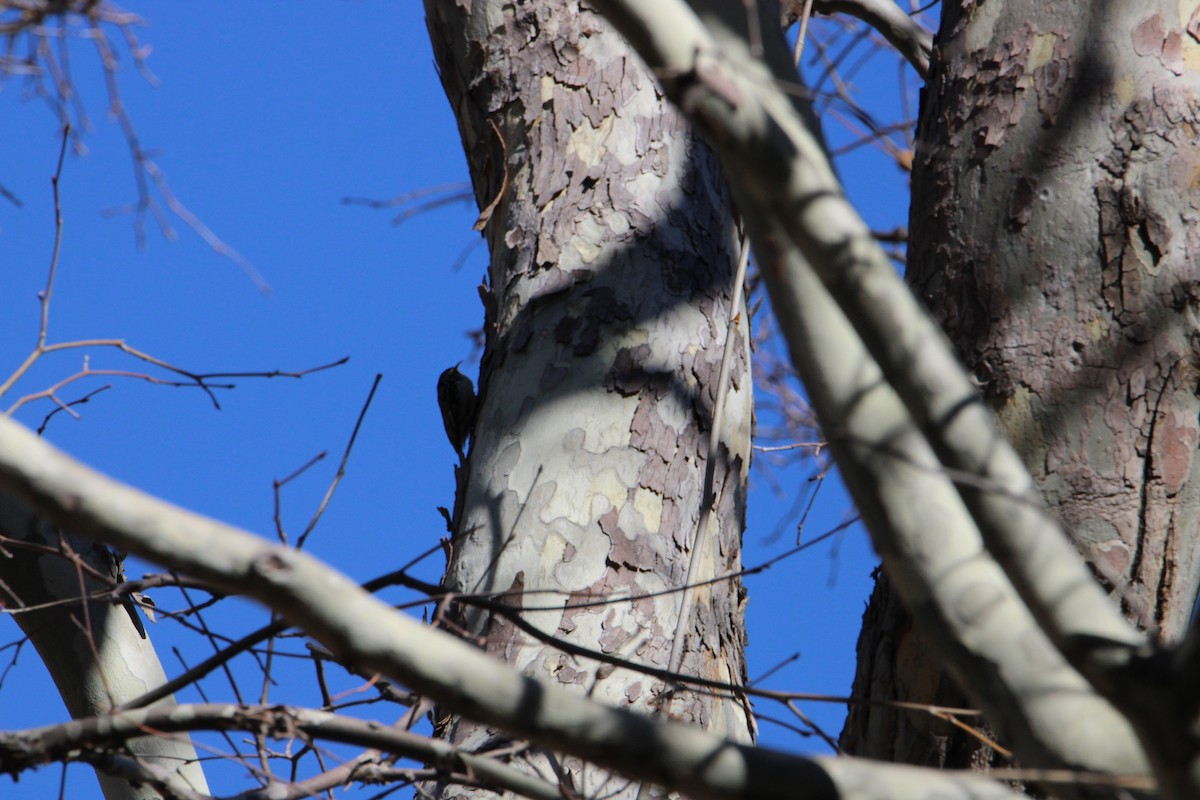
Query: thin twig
(276, 487)
(803, 34)
(341, 470)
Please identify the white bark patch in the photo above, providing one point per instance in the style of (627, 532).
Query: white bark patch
(589, 142)
(649, 504)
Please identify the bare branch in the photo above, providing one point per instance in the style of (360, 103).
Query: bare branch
(21, 750)
(39, 23)
(341, 470)
(804, 220)
(41, 348)
(362, 630)
(756, 128)
(902, 31)
(457, 192)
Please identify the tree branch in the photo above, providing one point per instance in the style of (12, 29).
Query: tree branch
(367, 633)
(95, 651)
(902, 31)
(26, 749)
(889, 378)
(734, 99)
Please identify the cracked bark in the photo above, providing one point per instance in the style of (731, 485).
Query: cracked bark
(1054, 234)
(606, 300)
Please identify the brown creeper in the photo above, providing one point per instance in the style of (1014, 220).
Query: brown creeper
(456, 399)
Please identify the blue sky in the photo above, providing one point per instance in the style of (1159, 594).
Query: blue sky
(264, 117)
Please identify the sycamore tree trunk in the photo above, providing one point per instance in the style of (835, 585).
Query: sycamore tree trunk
(98, 653)
(1054, 235)
(607, 309)
(994, 579)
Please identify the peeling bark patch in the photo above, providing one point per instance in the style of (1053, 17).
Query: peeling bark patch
(1134, 240)
(636, 553)
(614, 634)
(621, 622)
(576, 604)
(1021, 206)
(683, 465)
(1148, 35)
(1172, 53)
(1052, 78)
(502, 639)
(1111, 560)
(651, 434)
(1151, 38)
(1177, 437)
(996, 82)
(627, 375)
(588, 321)
(608, 524)
(563, 672)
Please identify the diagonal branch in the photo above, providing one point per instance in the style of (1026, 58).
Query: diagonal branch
(367, 633)
(882, 373)
(902, 31)
(26, 749)
(735, 100)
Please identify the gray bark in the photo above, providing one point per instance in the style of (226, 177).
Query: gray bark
(606, 313)
(1054, 236)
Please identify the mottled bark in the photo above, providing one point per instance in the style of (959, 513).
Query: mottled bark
(1054, 235)
(609, 289)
